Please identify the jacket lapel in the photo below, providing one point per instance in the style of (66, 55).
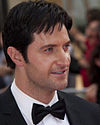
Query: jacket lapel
(11, 111)
(71, 110)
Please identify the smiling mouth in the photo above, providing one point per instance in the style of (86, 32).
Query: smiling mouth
(59, 72)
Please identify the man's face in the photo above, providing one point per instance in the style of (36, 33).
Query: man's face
(49, 60)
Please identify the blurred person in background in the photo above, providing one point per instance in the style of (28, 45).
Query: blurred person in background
(91, 15)
(93, 91)
(87, 41)
(92, 39)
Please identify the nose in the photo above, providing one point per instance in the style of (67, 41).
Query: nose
(63, 59)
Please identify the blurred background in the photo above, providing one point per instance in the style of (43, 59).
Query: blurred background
(84, 71)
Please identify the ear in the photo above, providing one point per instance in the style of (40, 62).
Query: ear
(15, 56)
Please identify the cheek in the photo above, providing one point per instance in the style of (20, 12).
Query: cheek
(43, 65)
(68, 59)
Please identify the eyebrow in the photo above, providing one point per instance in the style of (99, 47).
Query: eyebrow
(54, 45)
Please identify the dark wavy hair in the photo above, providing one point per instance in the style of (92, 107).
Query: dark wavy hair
(27, 18)
(94, 70)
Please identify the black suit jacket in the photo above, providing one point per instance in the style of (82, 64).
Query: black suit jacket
(79, 111)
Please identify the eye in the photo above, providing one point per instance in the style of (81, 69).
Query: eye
(48, 50)
(66, 47)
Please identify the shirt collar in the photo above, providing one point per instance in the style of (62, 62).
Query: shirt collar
(25, 102)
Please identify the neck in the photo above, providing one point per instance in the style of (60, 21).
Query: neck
(36, 92)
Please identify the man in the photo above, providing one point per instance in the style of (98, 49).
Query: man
(36, 42)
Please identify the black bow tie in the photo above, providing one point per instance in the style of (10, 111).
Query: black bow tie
(39, 111)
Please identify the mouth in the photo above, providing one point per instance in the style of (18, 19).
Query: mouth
(59, 72)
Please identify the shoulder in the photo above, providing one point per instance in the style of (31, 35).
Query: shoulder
(82, 104)
(82, 110)
(6, 99)
(4, 105)
(3, 97)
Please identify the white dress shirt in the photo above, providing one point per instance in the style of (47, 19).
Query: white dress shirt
(25, 104)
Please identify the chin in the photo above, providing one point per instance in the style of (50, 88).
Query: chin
(62, 86)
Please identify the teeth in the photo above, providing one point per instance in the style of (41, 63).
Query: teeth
(59, 72)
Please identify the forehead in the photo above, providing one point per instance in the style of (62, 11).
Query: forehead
(56, 37)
